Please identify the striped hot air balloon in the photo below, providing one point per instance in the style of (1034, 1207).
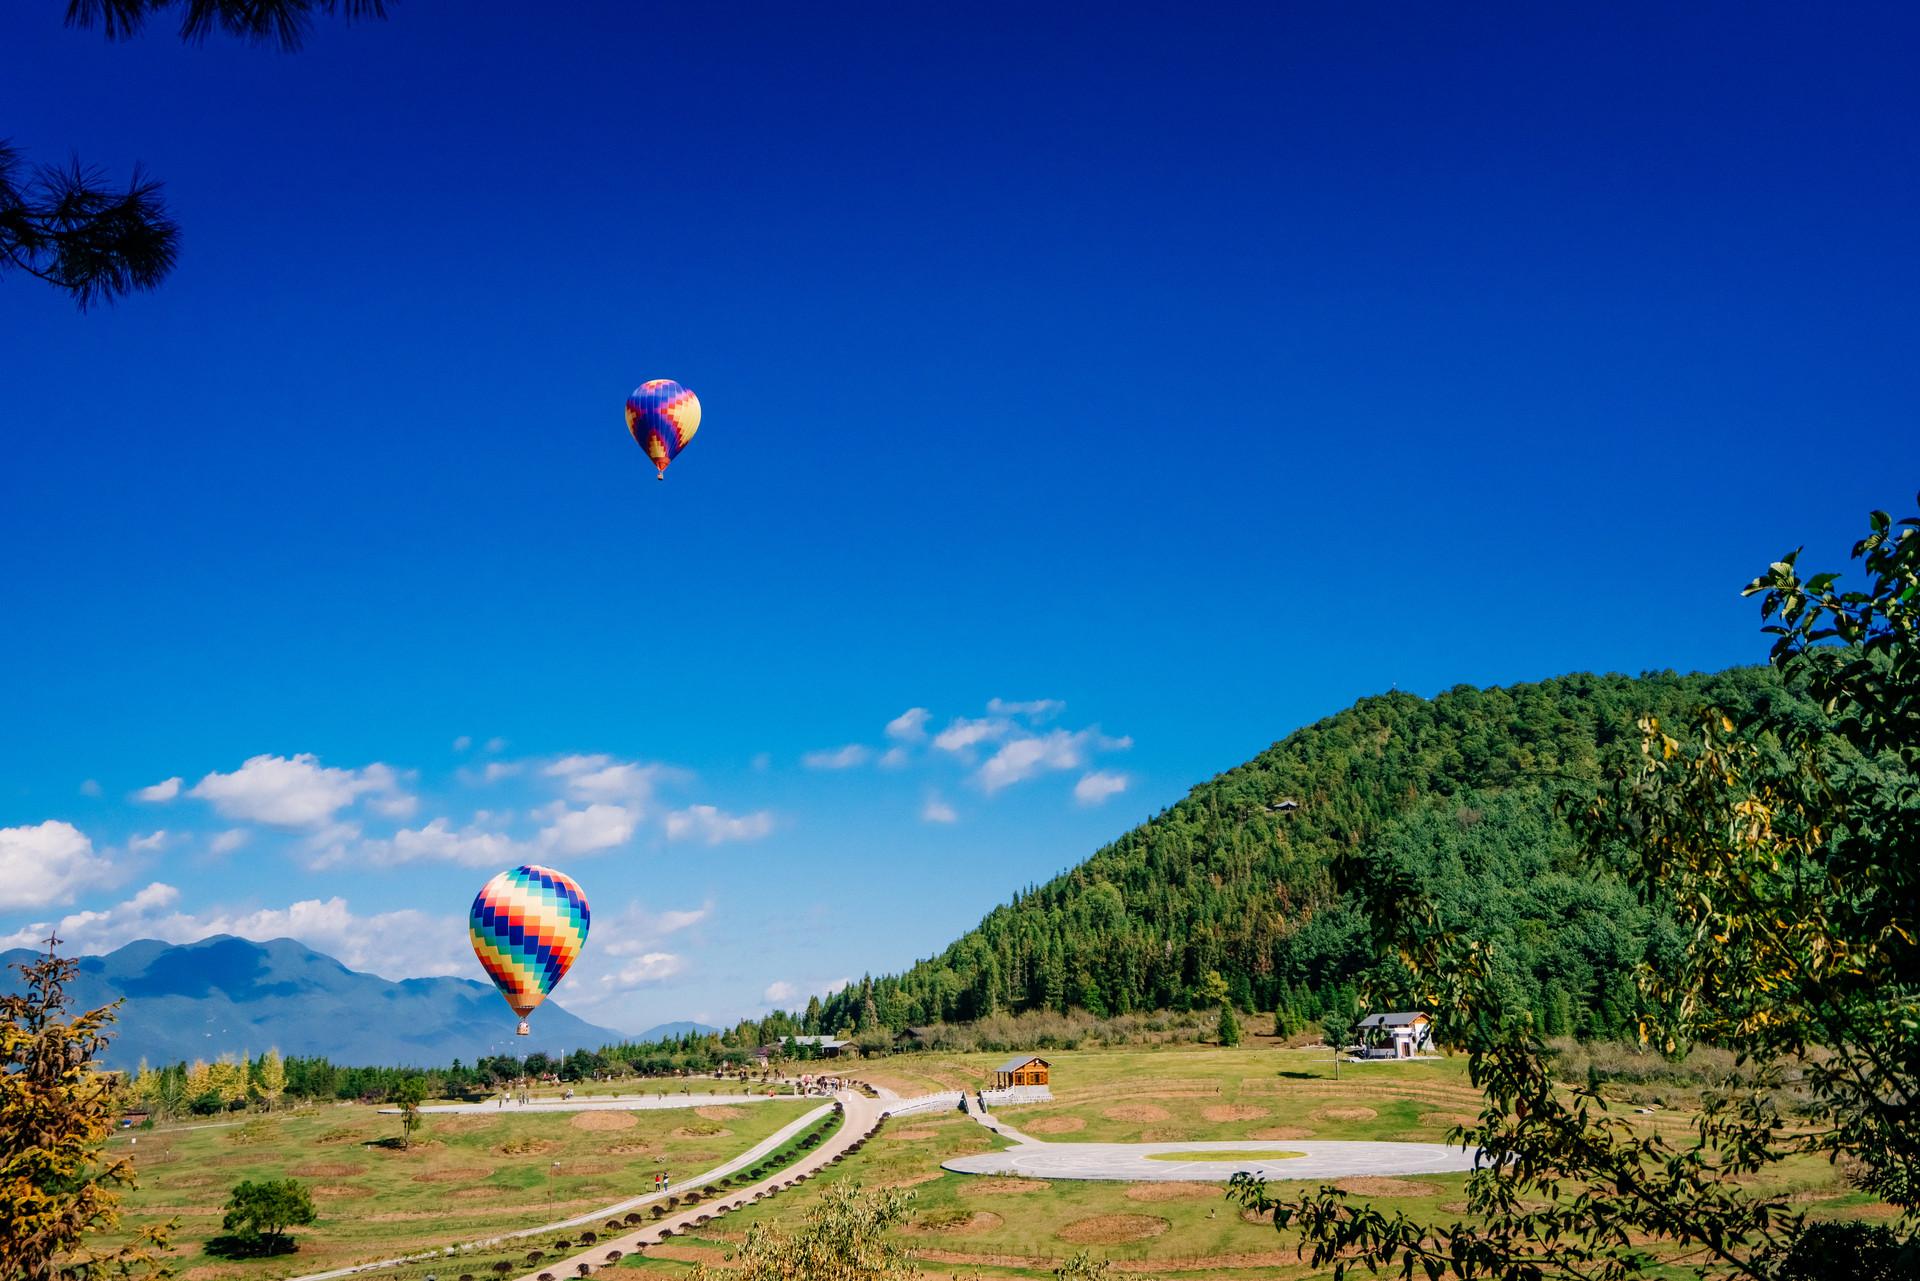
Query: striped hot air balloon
(662, 415)
(528, 926)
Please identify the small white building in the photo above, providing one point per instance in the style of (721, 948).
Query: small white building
(1397, 1035)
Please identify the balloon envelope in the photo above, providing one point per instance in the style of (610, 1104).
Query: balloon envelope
(662, 415)
(528, 925)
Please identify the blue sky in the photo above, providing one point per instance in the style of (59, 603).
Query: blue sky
(1121, 393)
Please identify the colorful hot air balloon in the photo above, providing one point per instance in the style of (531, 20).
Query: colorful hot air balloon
(662, 415)
(528, 925)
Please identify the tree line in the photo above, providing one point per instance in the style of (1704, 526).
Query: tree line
(1464, 793)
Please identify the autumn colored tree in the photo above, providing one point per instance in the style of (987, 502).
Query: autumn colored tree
(843, 1238)
(59, 1191)
(269, 1078)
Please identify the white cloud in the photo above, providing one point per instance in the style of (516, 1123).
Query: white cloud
(895, 757)
(937, 810)
(711, 826)
(1025, 757)
(599, 777)
(1038, 709)
(652, 967)
(584, 831)
(47, 864)
(497, 770)
(229, 841)
(1094, 788)
(963, 733)
(463, 742)
(160, 793)
(909, 726)
(440, 842)
(637, 931)
(837, 757)
(297, 791)
(835, 985)
(395, 945)
(496, 744)
(90, 787)
(147, 844)
(778, 991)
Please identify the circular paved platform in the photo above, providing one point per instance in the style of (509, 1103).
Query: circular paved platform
(1130, 1161)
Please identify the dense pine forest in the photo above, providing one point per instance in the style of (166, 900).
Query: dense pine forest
(1467, 792)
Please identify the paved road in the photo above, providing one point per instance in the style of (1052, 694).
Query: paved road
(1033, 1159)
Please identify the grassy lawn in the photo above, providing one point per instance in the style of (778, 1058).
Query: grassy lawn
(1180, 1093)
(465, 1176)
(996, 1227)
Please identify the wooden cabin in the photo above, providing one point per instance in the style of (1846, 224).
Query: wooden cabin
(1021, 1069)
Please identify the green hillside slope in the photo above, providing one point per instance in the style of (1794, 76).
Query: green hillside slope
(1460, 790)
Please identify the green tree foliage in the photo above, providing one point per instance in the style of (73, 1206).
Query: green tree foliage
(1228, 1029)
(59, 1193)
(259, 1214)
(1081, 1265)
(843, 1238)
(1462, 793)
(66, 224)
(410, 1093)
(1779, 846)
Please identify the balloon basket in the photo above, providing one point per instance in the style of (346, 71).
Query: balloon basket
(522, 1029)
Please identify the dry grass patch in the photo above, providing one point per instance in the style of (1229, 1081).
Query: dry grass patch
(1054, 1125)
(957, 1223)
(910, 1136)
(1281, 1132)
(915, 1180)
(1003, 1187)
(1174, 1191)
(630, 1149)
(340, 1191)
(719, 1112)
(1138, 1112)
(1113, 1229)
(318, 1170)
(527, 1147)
(705, 1130)
(1345, 1114)
(454, 1174)
(602, 1122)
(1375, 1185)
(1448, 1119)
(1233, 1112)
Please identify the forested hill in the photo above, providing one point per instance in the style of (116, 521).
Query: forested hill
(1459, 790)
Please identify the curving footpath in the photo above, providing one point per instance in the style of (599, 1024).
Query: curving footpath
(863, 1115)
(744, 1161)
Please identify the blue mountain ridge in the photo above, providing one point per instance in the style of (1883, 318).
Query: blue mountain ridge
(231, 995)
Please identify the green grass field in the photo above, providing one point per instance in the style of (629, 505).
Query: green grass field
(965, 1224)
(466, 1176)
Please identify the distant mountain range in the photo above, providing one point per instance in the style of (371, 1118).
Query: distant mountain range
(674, 1031)
(225, 994)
